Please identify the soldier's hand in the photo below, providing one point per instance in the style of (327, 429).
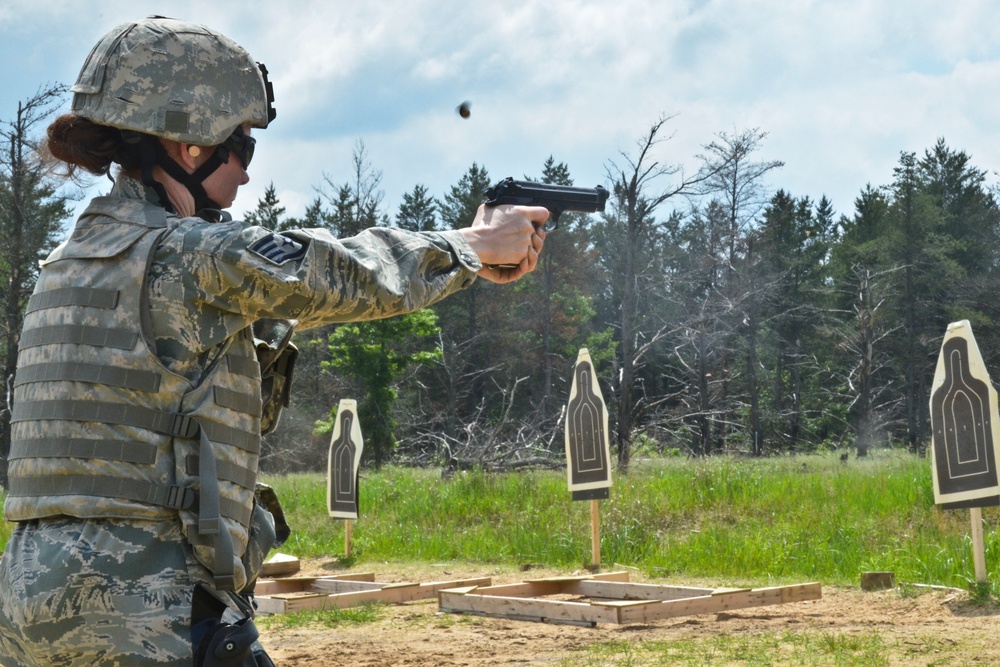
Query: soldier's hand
(508, 240)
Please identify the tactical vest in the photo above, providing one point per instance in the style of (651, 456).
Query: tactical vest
(101, 429)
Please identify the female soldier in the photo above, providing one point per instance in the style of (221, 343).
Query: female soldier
(138, 409)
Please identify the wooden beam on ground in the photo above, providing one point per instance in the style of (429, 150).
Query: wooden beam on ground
(723, 601)
(280, 565)
(525, 609)
(533, 588)
(329, 593)
(298, 584)
(329, 586)
(627, 591)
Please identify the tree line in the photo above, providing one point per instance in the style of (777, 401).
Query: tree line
(722, 314)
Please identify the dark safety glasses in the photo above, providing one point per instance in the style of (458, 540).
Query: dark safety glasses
(241, 145)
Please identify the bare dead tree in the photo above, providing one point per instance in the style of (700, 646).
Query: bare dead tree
(635, 180)
(872, 395)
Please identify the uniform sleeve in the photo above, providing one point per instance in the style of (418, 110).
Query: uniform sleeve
(220, 276)
(379, 273)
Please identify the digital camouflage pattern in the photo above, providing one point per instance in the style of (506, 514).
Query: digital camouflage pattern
(96, 592)
(206, 279)
(99, 430)
(205, 287)
(172, 79)
(277, 356)
(102, 567)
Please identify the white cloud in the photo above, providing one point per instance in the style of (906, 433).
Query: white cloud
(840, 86)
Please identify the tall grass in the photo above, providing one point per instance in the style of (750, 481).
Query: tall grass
(740, 521)
(748, 521)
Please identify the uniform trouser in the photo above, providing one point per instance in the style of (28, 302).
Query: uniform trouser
(97, 592)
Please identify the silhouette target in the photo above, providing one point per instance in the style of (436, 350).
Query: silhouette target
(587, 446)
(963, 423)
(345, 454)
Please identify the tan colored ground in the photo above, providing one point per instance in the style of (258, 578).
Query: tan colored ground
(916, 627)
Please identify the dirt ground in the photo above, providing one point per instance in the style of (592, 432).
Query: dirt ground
(910, 625)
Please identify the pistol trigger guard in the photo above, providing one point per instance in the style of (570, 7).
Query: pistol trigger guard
(553, 222)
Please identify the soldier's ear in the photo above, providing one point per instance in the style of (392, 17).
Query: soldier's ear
(186, 155)
(190, 154)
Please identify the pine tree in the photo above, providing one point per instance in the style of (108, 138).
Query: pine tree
(468, 319)
(418, 211)
(917, 251)
(794, 247)
(357, 204)
(557, 306)
(32, 212)
(970, 219)
(315, 217)
(378, 353)
(269, 212)
(737, 180)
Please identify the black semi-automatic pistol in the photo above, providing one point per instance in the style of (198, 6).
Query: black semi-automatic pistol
(556, 198)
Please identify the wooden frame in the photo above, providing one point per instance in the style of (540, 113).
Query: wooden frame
(612, 599)
(279, 596)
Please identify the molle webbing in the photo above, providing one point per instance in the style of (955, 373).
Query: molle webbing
(163, 495)
(227, 435)
(126, 451)
(226, 471)
(234, 400)
(80, 334)
(245, 366)
(177, 497)
(167, 423)
(74, 371)
(73, 296)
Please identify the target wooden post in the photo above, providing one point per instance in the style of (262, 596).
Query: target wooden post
(595, 532)
(978, 544)
(348, 530)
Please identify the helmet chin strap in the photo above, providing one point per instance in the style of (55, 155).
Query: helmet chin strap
(193, 181)
(153, 154)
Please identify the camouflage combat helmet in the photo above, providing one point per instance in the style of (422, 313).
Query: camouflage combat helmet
(173, 79)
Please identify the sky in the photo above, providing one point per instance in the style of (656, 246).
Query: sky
(840, 87)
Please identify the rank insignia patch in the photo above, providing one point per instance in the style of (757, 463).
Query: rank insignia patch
(278, 249)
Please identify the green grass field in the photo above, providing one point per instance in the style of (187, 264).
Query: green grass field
(748, 521)
(745, 522)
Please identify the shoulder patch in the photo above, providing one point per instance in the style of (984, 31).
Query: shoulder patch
(278, 249)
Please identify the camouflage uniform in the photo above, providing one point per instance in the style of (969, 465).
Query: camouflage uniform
(96, 592)
(143, 363)
(92, 577)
